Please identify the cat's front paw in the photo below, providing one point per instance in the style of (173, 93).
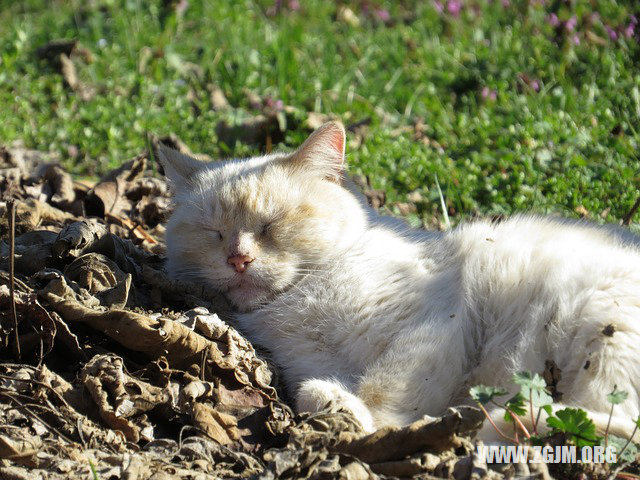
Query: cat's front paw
(316, 394)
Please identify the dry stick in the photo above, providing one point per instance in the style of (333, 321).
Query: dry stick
(37, 417)
(41, 348)
(11, 211)
(627, 218)
(203, 364)
(39, 383)
(5, 279)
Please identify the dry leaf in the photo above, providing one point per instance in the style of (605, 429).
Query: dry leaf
(218, 100)
(70, 76)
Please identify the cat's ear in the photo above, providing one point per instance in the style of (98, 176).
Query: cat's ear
(178, 167)
(322, 153)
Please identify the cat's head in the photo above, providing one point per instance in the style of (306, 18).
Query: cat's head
(252, 228)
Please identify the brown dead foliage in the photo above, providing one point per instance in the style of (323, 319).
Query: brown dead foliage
(138, 376)
(62, 55)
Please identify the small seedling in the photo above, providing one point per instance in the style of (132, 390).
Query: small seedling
(94, 473)
(573, 423)
(614, 398)
(514, 406)
(483, 395)
(534, 388)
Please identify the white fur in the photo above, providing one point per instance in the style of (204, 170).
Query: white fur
(394, 324)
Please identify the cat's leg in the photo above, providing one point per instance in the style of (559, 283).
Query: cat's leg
(418, 376)
(601, 353)
(315, 394)
(604, 355)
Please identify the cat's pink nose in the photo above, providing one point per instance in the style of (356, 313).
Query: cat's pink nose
(240, 262)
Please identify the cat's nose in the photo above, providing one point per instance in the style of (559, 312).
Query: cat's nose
(240, 262)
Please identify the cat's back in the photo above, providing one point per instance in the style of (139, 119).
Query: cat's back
(546, 240)
(512, 267)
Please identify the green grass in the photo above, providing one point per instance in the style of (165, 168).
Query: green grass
(573, 143)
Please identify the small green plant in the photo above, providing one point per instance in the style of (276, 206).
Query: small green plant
(94, 473)
(484, 395)
(572, 423)
(576, 425)
(614, 398)
(534, 388)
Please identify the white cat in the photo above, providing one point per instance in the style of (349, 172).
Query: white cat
(392, 323)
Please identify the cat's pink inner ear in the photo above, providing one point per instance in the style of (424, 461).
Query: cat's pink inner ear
(323, 152)
(337, 140)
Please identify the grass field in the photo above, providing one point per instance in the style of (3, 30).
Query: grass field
(513, 105)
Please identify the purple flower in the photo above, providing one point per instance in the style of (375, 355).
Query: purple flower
(571, 24)
(529, 82)
(630, 30)
(294, 5)
(613, 35)
(73, 151)
(383, 15)
(276, 105)
(454, 7)
(487, 93)
(506, 3)
(274, 9)
(575, 39)
(181, 7)
(553, 20)
(437, 4)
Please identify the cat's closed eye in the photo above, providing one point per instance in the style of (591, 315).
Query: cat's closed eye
(265, 228)
(214, 232)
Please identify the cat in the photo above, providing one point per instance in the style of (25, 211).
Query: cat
(392, 323)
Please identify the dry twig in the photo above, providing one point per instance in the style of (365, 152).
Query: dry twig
(11, 212)
(627, 218)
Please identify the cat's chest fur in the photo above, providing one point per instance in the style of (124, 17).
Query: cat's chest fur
(343, 314)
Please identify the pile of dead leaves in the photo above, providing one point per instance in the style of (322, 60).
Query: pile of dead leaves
(110, 369)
